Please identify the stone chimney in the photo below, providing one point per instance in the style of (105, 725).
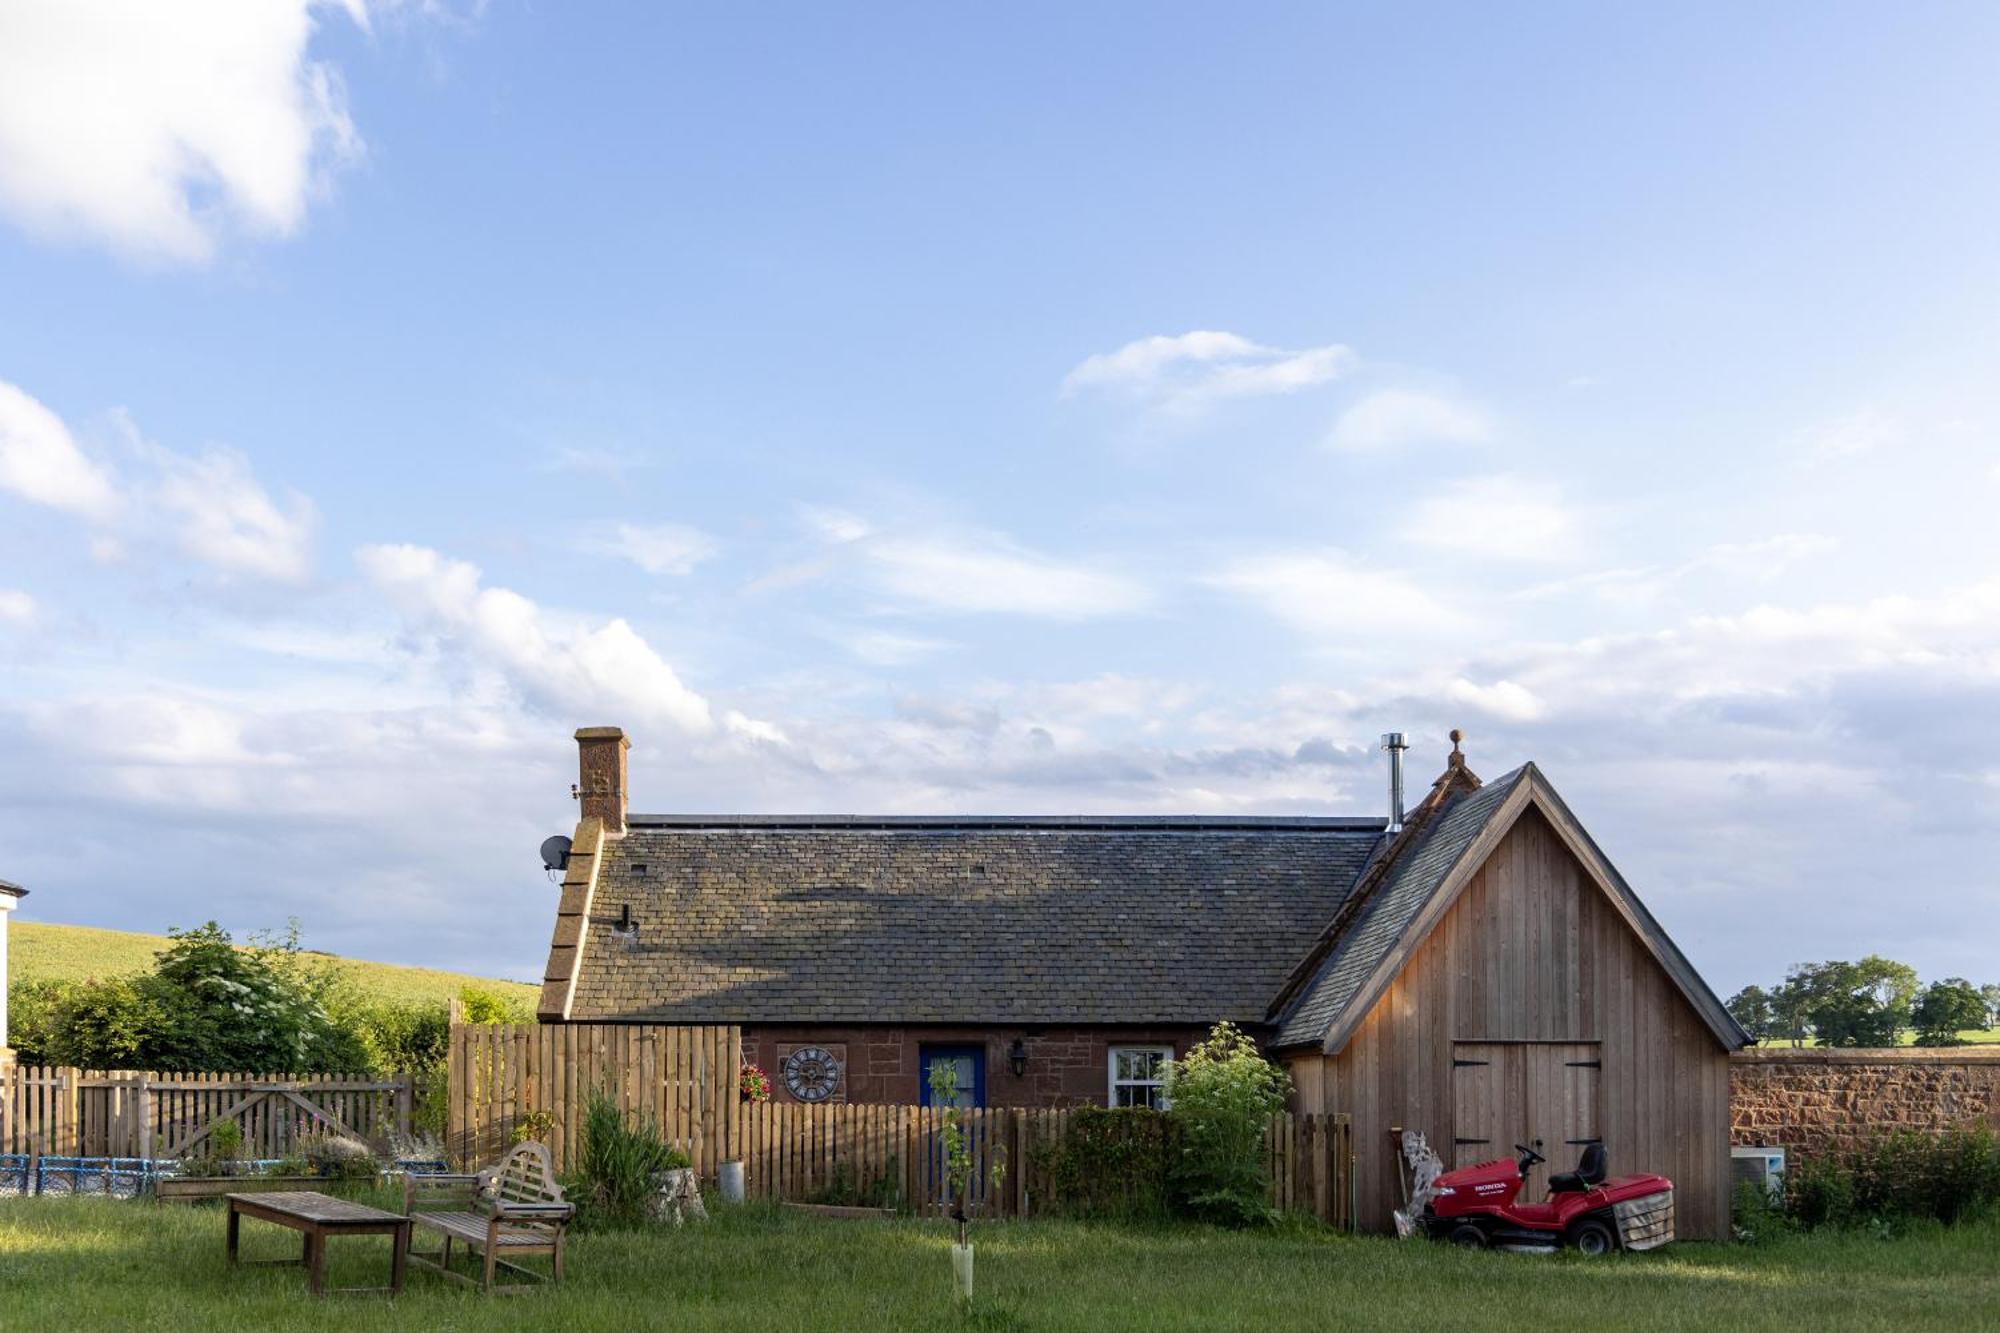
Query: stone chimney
(600, 765)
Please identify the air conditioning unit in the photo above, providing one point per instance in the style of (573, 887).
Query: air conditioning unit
(1763, 1167)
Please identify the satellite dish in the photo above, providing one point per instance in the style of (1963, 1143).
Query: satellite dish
(555, 853)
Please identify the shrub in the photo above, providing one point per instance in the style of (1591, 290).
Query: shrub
(1110, 1164)
(1947, 1177)
(218, 1153)
(618, 1161)
(116, 1023)
(1221, 1097)
(480, 1006)
(1819, 1192)
(1756, 1216)
(328, 1152)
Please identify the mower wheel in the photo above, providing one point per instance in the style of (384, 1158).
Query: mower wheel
(1468, 1236)
(1593, 1236)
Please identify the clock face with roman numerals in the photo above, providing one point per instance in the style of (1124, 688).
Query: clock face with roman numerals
(812, 1073)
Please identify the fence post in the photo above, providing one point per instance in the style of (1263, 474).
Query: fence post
(405, 1093)
(67, 1105)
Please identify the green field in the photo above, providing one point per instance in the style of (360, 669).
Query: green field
(99, 1264)
(37, 949)
(1970, 1036)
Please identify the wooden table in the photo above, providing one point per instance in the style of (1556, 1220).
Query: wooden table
(319, 1217)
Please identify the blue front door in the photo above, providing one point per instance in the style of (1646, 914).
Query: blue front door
(971, 1062)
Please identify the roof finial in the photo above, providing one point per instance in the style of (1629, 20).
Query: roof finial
(1457, 758)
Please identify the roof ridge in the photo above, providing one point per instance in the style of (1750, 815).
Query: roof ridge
(1454, 787)
(1276, 823)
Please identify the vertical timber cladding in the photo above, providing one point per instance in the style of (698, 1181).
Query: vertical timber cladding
(1533, 951)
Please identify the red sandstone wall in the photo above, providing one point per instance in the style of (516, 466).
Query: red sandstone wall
(1066, 1066)
(1831, 1101)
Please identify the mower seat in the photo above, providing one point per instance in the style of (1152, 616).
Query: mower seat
(1589, 1171)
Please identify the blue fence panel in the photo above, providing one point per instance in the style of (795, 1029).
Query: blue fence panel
(117, 1177)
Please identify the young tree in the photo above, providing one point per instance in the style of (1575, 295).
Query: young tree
(1945, 1009)
(1751, 1007)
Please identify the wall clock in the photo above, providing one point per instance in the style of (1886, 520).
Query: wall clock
(812, 1073)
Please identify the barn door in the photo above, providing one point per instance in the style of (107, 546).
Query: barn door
(1504, 1093)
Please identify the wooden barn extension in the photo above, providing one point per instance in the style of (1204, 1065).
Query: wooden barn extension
(1530, 997)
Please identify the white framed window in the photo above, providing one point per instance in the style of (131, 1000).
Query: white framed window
(1139, 1076)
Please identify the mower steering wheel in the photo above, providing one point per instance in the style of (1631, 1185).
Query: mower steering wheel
(1529, 1157)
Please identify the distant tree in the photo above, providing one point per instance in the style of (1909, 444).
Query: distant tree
(1991, 995)
(1946, 1008)
(1751, 1007)
(1857, 1004)
(1791, 1003)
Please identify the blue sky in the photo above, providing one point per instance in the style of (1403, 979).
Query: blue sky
(1065, 408)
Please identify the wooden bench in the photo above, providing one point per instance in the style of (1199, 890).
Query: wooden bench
(514, 1209)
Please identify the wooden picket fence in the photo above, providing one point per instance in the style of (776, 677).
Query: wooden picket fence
(531, 1080)
(893, 1155)
(66, 1112)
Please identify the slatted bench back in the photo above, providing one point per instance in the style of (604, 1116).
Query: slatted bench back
(525, 1176)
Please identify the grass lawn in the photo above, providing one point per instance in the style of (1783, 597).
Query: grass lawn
(99, 1264)
(42, 949)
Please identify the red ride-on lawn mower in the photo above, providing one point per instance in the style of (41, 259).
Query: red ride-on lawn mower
(1479, 1206)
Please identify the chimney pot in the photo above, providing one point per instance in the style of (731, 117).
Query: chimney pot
(600, 785)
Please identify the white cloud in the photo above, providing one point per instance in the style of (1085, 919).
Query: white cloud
(993, 575)
(16, 607)
(1502, 517)
(221, 515)
(659, 548)
(1329, 595)
(881, 648)
(160, 129)
(1865, 432)
(1502, 699)
(1759, 561)
(1189, 371)
(1391, 418)
(967, 572)
(39, 461)
(211, 506)
(556, 664)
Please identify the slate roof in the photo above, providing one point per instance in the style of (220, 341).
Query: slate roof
(1055, 920)
(1412, 882)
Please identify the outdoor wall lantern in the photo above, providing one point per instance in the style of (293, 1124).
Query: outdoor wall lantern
(1017, 1058)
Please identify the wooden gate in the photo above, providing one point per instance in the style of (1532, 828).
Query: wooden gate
(136, 1113)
